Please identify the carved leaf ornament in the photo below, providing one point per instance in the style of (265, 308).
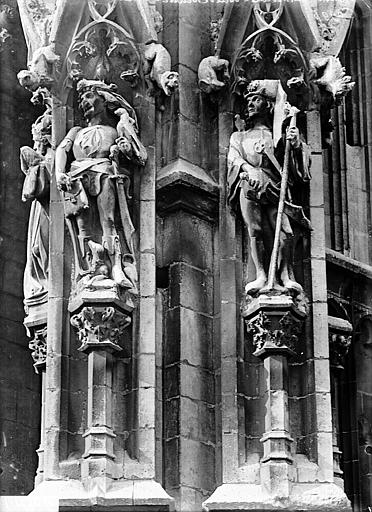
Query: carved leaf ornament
(285, 334)
(98, 326)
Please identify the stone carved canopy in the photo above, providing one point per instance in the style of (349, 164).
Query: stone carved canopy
(298, 42)
(94, 39)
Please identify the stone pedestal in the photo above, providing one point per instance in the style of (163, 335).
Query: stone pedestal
(36, 328)
(101, 322)
(274, 324)
(100, 329)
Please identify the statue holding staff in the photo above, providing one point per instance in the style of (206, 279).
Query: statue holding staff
(255, 161)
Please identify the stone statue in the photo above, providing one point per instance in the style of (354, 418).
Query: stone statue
(36, 165)
(254, 174)
(95, 186)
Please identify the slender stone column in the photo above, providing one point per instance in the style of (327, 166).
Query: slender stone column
(38, 347)
(56, 303)
(100, 330)
(274, 324)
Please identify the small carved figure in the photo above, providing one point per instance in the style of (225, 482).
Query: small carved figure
(94, 187)
(158, 68)
(36, 164)
(207, 74)
(254, 175)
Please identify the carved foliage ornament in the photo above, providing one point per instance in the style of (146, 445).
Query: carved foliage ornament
(100, 327)
(264, 333)
(38, 347)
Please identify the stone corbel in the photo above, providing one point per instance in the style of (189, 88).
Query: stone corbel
(213, 71)
(274, 324)
(38, 347)
(157, 68)
(213, 74)
(100, 327)
(43, 62)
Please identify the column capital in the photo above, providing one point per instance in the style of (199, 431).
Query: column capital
(100, 327)
(274, 323)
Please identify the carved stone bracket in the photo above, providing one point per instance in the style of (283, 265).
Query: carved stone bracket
(274, 324)
(100, 327)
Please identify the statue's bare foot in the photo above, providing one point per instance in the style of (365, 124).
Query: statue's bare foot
(120, 278)
(292, 286)
(256, 285)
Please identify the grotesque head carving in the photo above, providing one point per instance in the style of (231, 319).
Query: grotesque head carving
(169, 82)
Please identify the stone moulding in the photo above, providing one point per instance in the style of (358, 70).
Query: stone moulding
(184, 186)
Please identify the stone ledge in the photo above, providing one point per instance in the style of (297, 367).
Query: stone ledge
(182, 185)
(354, 266)
(71, 496)
(304, 497)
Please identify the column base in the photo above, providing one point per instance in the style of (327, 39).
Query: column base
(72, 496)
(324, 497)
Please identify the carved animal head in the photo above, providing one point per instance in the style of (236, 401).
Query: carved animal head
(169, 82)
(28, 79)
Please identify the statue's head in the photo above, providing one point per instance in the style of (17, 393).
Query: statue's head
(91, 98)
(260, 97)
(169, 82)
(96, 96)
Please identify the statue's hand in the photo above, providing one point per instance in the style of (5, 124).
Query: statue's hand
(255, 184)
(63, 182)
(114, 152)
(293, 135)
(124, 146)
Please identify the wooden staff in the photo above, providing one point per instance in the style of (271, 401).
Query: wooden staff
(283, 191)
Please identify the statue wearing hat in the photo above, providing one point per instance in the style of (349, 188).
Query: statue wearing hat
(88, 161)
(255, 161)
